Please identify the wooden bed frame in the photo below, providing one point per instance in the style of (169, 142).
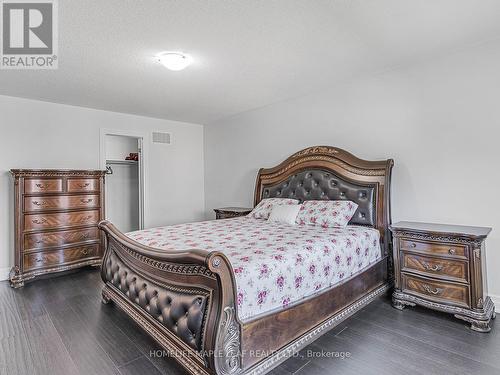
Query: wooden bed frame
(186, 299)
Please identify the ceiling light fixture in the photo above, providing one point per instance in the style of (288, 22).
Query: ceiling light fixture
(174, 60)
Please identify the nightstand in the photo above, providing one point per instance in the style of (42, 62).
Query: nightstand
(229, 212)
(443, 267)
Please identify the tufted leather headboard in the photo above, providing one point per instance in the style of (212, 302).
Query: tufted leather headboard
(324, 172)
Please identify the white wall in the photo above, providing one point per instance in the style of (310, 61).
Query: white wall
(439, 120)
(36, 134)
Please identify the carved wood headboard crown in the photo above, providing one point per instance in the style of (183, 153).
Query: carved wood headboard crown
(325, 172)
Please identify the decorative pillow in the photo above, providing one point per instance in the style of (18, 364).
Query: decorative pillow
(263, 209)
(326, 213)
(284, 213)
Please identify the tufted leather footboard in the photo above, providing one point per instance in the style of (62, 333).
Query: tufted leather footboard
(184, 300)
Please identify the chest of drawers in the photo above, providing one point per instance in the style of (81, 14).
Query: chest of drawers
(56, 213)
(443, 267)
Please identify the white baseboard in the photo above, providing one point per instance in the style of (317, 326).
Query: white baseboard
(496, 300)
(4, 273)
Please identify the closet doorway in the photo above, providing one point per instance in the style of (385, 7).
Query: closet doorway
(123, 158)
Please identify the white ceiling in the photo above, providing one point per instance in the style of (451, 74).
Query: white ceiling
(247, 53)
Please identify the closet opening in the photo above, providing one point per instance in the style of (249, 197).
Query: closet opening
(123, 158)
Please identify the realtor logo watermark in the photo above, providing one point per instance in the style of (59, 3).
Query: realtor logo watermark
(29, 34)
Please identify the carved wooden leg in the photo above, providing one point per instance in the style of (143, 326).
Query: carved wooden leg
(15, 278)
(480, 326)
(16, 284)
(398, 304)
(476, 325)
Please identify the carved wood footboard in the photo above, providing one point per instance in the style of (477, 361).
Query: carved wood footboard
(184, 300)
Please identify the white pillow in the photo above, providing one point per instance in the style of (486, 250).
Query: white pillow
(284, 214)
(263, 209)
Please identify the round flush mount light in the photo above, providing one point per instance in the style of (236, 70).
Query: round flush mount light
(174, 60)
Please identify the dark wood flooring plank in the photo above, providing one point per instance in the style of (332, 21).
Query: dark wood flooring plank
(140, 366)
(146, 345)
(85, 351)
(47, 348)
(15, 355)
(114, 342)
(457, 364)
(10, 318)
(362, 358)
(407, 324)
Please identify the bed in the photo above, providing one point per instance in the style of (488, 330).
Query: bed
(240, 296)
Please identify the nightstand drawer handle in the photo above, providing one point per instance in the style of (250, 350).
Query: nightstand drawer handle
(452, 251)
(85, 201)
(413, 245)
(435, 268)
(83, 186)
(429, 290)
(85, 251)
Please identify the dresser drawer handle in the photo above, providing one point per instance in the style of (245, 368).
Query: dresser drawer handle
(452, 251)
(435, 268)
(429, 290)
(85, 251)
(42, 186)
(85, 201)
(82, 186)
(37, 221)
(413, 245)
(42, 203)
(39, 260)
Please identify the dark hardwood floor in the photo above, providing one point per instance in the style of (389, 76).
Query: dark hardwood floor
(58, 326)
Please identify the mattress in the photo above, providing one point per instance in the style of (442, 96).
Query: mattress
(275, 265)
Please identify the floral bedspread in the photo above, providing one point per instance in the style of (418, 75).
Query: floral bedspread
(274, 264)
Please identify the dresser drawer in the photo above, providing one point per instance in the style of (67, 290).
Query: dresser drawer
(58, 257)
(44, 185)
(435, 267)
(450, 250)
(439, 291)
(82, 184)
(62, 202)
(50, 239)
(57, 220)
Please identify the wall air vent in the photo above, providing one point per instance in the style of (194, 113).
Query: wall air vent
(165, 138)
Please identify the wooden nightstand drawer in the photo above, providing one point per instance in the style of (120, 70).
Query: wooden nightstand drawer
(445, 249)
(456, 270)
(440, 291)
